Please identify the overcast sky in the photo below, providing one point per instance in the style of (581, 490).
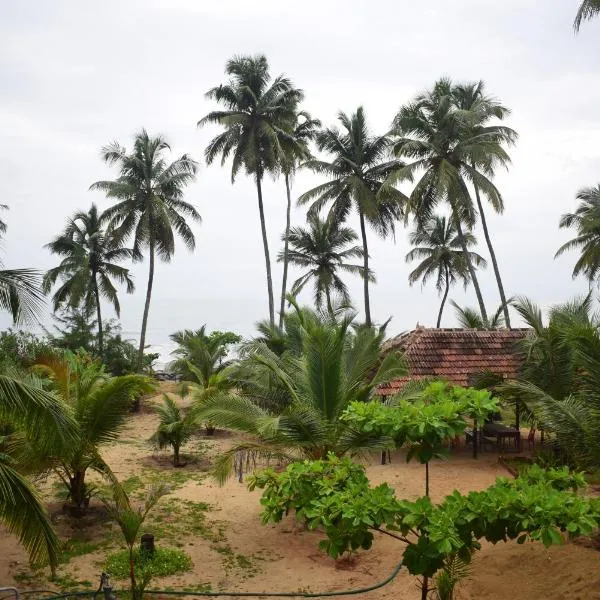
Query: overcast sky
(76, 75)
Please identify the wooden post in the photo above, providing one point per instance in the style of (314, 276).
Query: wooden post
(147, 544)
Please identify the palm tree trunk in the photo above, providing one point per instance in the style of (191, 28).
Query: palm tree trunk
(488, 241)
(99, 317)
(365, 267)
(132, 574)
(439, 319)
(77, 489)
(140, 357)
(285, 249)
(470, 267)
(266, 247)
(328, 298)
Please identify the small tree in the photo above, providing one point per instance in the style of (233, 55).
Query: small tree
(98, 405)
(130, 520)
(427, 423)
(176, 427)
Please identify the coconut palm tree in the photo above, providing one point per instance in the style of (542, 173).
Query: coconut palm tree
(202, 362)
(176, 426)
(99, 405)
(149, 203)
(324, 248)
(29, 410)
(479, 109)
(259, 116)
(438, 247)
(295, 151)
(206, 352)
(334, 366)
(449, 155)
(91, 253)
(587, 11)
(586, 220)
(358, 179)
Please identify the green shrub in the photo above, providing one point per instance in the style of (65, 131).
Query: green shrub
(164, 562)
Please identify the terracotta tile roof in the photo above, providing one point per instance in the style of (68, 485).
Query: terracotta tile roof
(455, 354)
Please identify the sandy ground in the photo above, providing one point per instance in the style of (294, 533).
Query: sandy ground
(236, 552)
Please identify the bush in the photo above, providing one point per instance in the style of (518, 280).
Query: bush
(164, 562)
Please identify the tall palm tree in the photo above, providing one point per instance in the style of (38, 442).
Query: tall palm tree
(295, 151)
(587, 11)
(91, 253)
(440, 249)
(259, 113)
(479, 109)
(149, 193)
(335, 365)
(324, 248)
(30, 411)
(358, 179)
(449, 155)
(586, 220)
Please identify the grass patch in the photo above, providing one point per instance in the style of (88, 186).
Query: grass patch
(132, 484)
(164, 562)
(176, 519)
(68, 582)
(72, 548)
(245, 565)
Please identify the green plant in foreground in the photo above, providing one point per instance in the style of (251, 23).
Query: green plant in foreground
(335, 495)
(164, 562)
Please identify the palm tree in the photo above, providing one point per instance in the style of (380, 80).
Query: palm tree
(440, 249)
(149, 193)
(296, 150)
(20, 292)
(587, 11)
(202, 362)
(479, 109)
(205, 352)
(130, 521)
(449, 153)
(323, 248)
(358, 174)
(469, 318)
(175, 427)
(586, 220)
(91, 253)
(99, 405)
(30, 410)
(259, 113)
(561, 377)
(334, 366)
